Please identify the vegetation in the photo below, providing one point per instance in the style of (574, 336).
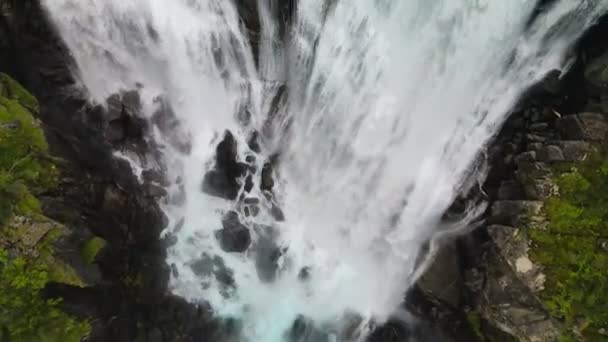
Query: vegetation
(27, 263)
(92, 248)
(24, 168)
(474, 319)
(24, 314)
(574, 250)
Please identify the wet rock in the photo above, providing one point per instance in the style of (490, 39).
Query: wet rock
(443, 280)
(207, 266)
(253, 143)
(536, 138)
(515, 213)
(248, 184)
(528, 156)
(539, 126)
(254, 210)
(226, 154)
(123, 117)
(235, 236)
(584, 126)
(551, 154)
(304, 273)
(540, 189)
(596, 74)
(248, 13)
(222, 180)
(304, 330)
(166, 121)
(267, 254)
(277, 213)
(532, 170)
(552, 83)
(506, 302)
(510, 190)
(244, 117)
(251, 206)
(169, 240)
(513, 245)
(155, 191)
(155, 176)
(267, 182)
(251, 200)
(574, 150)
(218, 184)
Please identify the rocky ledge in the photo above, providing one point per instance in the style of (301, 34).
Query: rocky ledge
(535, 270)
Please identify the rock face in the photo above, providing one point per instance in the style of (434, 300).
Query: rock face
(222, 180)
(584, 126)
(235, 236)
(517, 283)
(97, 194)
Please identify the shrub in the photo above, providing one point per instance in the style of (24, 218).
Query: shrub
(24, 315)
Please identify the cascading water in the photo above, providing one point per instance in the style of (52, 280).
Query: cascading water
(373, 113)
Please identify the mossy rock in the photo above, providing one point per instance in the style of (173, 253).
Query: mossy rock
(11, 89)
(27, 237)
(25, 166)
(91, 249)
(24, 314)
(569, 249)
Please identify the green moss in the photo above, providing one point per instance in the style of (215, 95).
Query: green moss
(569, 248)
(9, 88)
(92, 248)
(475, 322)
(26, 170)
(24, 314)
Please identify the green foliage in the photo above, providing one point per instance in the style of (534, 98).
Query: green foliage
(24, 315)
(92, 248)
(9, 88)
(475, 322)
(25, 171)
(575, 264)
(25, 168)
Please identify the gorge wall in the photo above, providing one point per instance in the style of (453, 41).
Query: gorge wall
(531, 273)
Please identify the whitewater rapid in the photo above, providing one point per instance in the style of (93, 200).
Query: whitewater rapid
(381, 111)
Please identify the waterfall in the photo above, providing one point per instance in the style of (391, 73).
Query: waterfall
(371, 118)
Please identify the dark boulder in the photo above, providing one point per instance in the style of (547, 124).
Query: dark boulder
(596, 74)
(551, 154)
(168, 124)
(584, 126)
(267, 182)
(222, 181)
(514, 213)
(235, 236)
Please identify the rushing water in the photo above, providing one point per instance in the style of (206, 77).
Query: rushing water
(386, 107)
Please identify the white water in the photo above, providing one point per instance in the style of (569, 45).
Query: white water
(389, 104)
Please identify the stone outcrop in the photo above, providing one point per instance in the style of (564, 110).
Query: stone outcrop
(511, 267)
